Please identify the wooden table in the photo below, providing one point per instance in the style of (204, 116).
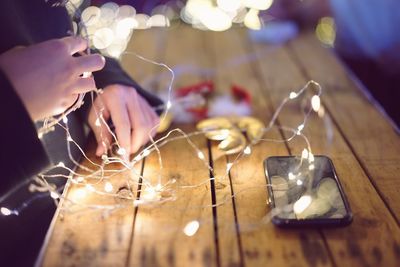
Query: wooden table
(364, 148)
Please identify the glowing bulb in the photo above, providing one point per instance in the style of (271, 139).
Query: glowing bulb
(311, 167)
(315, 103)
(149, 193)
(158, 187)
(79, 179)
(169, 104)
(229, 166)
(90, 188)
(65, 119)
(191, 228)
(40, 135)
(78, 193)
(299, 182)
(146, 152)
(108, 187)
(301, 204)
(5, 211)
(304, 154)
(54, 195)
(103, 38)
(310, 157)
(86, 74)
(97, 122)
(251, 20)
(292, 95)
(215, 19)
(300, 128)
(61, 164)
(291, 176)
(200, 155)
(229, 5)
(69, 138)
(121, 151)
(247, 150)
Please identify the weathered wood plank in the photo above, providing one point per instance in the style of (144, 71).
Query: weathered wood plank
(263, 245)
(158, 236)
(87, 238)
(357, 244)
(372, 139)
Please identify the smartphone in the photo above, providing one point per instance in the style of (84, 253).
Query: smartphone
(304, 192)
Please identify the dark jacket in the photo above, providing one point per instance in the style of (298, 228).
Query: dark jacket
(22, 153)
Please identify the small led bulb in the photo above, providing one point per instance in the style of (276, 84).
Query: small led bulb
(69, 138)
(54, 195)
(108, 187)
(300, 128)
(169, 104)
(291, 176)
(200, 155)
(229, 166)
(292, 95)
(65, 119)
(5, 211)
(247, 150)
(315, 103)
(310, 157)
(299, 182)
(304, 154)
(90, 188)
(121, 151)
(61, 164)
(146, 152)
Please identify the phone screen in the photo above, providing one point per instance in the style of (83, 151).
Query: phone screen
(303, 192)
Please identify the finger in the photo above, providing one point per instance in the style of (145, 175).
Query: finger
(83, 85)
(150, 119)
(151, 116)
(120, 118)
(89, 63)
(75, 44)
(140, 128)
(101, 131)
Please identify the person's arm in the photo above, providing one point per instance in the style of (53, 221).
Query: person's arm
(21, 152)
(127, 104)
(36, 82)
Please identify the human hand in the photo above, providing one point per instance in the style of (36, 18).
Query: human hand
(133, 118)
(46, 76)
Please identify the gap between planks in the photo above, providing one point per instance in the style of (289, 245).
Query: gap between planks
(295, 57)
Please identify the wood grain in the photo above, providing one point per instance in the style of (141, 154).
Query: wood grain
(232, 234)
(265, 245)
(368, 133)
(158, 236)
(87, 238)
(357, 244)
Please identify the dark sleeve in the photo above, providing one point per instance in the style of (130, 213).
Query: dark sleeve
(112, 73)
(22, 155)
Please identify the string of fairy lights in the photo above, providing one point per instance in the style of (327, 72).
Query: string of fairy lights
(164, 190)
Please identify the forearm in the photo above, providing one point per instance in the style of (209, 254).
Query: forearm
(22, 155)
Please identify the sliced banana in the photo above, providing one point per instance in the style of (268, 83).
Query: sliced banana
(228, 131)
(234, 143)
(165, 122)
(253, 127)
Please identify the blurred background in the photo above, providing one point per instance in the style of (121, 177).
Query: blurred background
(363, 33)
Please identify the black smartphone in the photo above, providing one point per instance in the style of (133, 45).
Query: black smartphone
(304, 192)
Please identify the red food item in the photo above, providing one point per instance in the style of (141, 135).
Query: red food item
(203, 88)
(241, 94)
